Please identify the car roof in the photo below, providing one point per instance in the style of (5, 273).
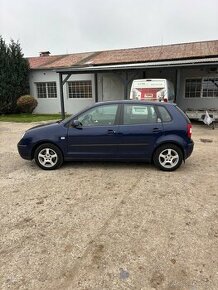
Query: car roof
(134, 102)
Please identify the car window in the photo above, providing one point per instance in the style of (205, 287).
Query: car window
(99, 116)
(139, 114)
(165, 116)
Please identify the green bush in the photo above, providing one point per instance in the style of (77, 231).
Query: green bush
(27, 104)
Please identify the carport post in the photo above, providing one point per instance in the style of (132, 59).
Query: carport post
(126, 86)
(61, 96)
(177, 88)
(96, 87)
(126, 82)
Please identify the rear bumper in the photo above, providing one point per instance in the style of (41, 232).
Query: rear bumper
(24, 151)
(189, 148)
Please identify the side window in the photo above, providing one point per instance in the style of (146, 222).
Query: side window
(139, 114)
(99, 116)
(165, 116)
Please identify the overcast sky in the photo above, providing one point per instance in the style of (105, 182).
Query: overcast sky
(69, 26)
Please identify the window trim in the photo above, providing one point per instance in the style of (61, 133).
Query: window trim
(201, 94)
(46, 89)
(86, 98)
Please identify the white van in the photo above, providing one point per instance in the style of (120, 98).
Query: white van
(158, 90)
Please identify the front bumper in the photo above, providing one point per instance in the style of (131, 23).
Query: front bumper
(24, 151)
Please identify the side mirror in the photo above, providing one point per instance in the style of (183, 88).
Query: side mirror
(76, 124)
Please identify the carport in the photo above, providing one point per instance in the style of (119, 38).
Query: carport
(128, 72)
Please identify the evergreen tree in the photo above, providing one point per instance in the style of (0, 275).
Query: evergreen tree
(14, 69)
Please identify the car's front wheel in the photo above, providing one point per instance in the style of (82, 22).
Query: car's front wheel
(168, 157)
(48, 156)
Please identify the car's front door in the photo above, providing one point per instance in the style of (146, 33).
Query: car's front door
(139, 131)
(96, 136)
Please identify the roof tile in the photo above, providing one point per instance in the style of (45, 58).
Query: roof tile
(132, 55)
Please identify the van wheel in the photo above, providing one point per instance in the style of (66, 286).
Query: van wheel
(48, 156)
(168, 157)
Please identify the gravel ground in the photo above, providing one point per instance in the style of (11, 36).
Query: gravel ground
(109, 225)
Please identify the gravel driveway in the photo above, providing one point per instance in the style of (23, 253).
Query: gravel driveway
(109, 225)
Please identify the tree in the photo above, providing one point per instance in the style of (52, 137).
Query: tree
(14, 70)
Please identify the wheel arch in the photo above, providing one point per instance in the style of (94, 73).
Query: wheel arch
(169, 142)
(44, 142)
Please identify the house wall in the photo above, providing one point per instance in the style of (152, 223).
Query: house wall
(111, 87)
(184, 73)
(195, 103)
(52, 106)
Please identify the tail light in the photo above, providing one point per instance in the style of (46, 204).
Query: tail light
(189, 130)
(165, 100)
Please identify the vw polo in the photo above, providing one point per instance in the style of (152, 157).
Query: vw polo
(119, 130)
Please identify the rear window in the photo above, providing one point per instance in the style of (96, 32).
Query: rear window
(139, 114)
(184, 115)
(165, 116)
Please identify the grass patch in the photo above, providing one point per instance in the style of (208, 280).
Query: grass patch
(28, 118)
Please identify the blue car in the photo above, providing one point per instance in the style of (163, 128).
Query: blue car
(119, 130)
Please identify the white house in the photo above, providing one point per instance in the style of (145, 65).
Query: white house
(74, 81)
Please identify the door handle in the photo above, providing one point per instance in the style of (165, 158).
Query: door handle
(156, 130)
(111, 132)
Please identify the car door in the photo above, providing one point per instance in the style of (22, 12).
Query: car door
(96, 136)
(139, 131)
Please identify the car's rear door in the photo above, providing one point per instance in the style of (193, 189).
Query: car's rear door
(97, 137)
(139, 130)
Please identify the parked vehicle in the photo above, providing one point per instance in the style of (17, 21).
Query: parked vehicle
(209, 117)
(119, 130)
(158, 90)
(200, 102)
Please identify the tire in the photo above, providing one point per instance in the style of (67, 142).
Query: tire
(48, 156)
(168, 157)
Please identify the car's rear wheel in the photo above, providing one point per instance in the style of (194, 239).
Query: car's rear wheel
(168, 157)
(48, 156)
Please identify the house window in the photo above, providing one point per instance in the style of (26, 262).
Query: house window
(209, 87)
(193, 88)
(46, 90)
(201, 88)
(80, 89)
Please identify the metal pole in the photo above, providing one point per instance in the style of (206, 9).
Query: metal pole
(144, 75)
(96, 87)
(61, 96)
(177, 88)
(126, 86)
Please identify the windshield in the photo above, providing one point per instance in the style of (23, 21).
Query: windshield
(66, 120)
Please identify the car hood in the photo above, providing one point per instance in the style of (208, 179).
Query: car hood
(47, 125)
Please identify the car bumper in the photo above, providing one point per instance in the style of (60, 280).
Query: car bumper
(24, 151)
(189, 149)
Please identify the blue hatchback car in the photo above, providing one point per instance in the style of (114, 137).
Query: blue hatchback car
(119, 130)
